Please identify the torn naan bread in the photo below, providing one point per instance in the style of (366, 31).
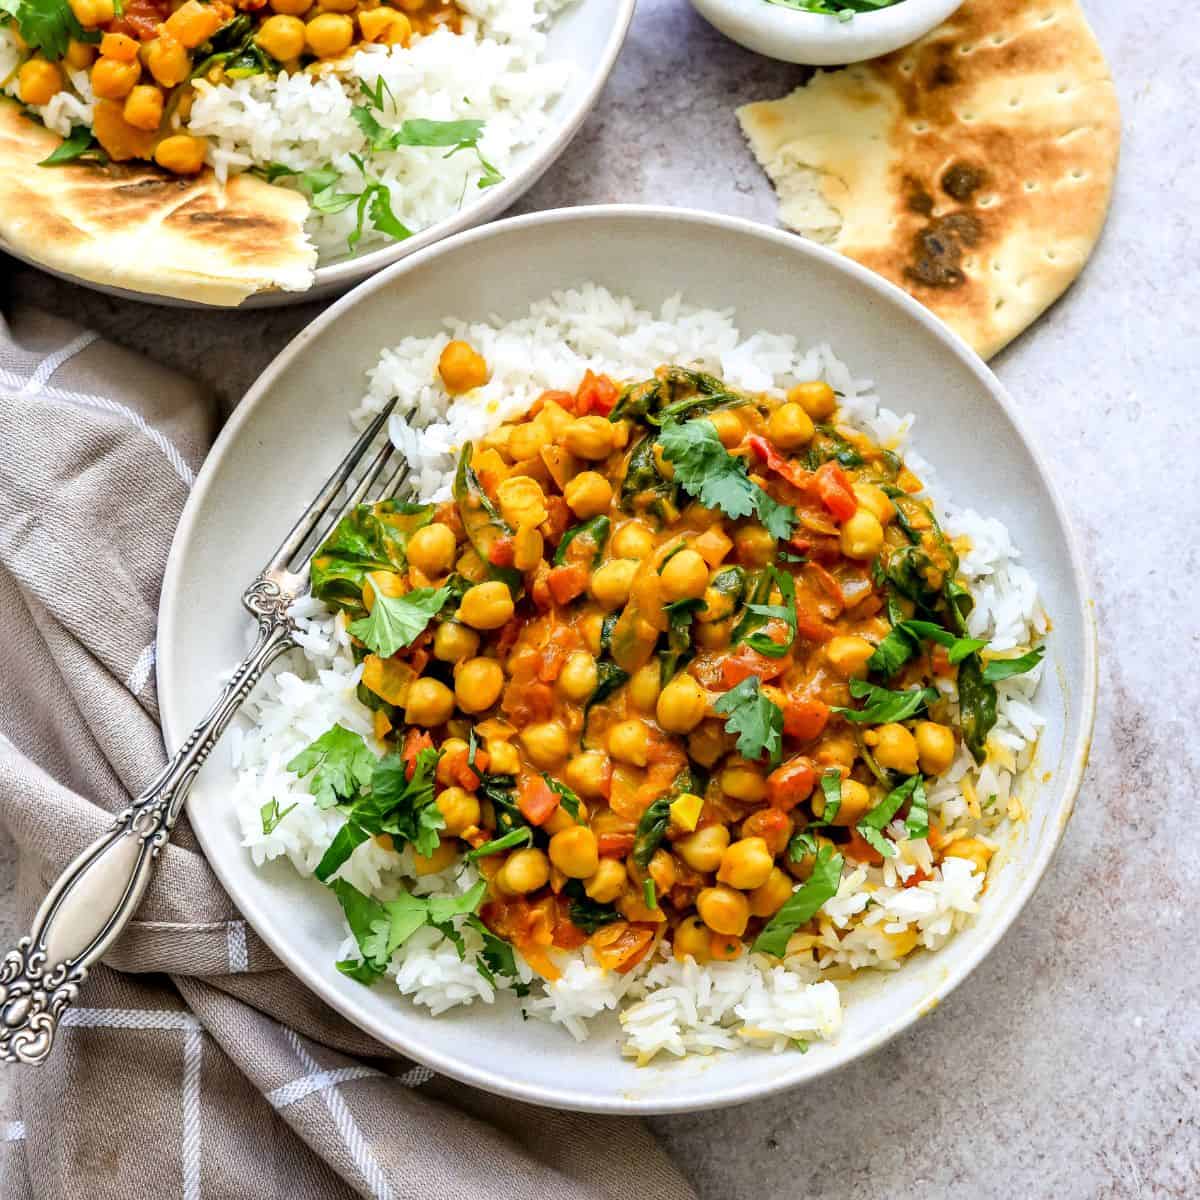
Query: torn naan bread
(973, 168)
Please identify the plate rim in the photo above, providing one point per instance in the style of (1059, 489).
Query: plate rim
(559, 1096)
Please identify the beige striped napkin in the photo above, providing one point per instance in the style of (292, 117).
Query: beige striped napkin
(192, 1065)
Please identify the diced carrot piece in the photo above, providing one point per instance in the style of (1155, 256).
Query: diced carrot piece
(615, 845)
(567, 583)
(833, 487)
(415, 741)
(791, 784)
(537, 800)
(805, 718)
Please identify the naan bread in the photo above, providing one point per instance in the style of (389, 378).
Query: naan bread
(133, 226)
(973, 168)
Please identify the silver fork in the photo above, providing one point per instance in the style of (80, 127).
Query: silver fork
(95, 897)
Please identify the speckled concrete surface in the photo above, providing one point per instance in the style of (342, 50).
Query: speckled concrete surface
(1069, 1064)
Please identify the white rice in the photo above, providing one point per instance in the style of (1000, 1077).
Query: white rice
(664, 1006)
(492, 71)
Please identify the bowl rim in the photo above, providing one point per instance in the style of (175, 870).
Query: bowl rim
(557, 1096)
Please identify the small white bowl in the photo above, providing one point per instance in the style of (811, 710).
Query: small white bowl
(794, 36)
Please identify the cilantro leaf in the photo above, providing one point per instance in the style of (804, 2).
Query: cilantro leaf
(271, 816)
(362, 913)
(916, 824)
(803, 905)
(345, 842)
(496, 957)
(46, 25)
(876, 821)
(883, 706)
(81, 144)
(756, 720)
(403, 807)
(382, 217)
(397, 621)
(339, 764)
(785, 612)
(1006, 668)
(706, 470)
(402, 918)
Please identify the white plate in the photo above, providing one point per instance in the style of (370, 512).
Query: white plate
(588, 35)
(292, 428)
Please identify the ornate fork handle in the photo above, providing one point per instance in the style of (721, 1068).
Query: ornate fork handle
(95, 897)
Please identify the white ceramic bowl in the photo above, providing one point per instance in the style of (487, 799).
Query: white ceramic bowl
(587, 34)
(817, 40)
(291, 429)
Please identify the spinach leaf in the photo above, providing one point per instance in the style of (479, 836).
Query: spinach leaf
(876, 821)
(804, 903)
(501, 791)
(566, 797)
(651, 830)
(496, 957)
(679, 652)
(594, 530)
(751, 618)
(481, 519)
(756, 720)
(904, 638)
(831, 789)
(643, 479)
(609, 677)
(976, 706)
(586, 913)
(1006, 668)
(785, 612)
(916, 824)
(80, 145)
(514, 837)
(884, 707)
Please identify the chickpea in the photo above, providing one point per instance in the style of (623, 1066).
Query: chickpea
(167, 61)
(645, 686)
(118, 46)
(436, 862)
(578, 678)
(39, 81)
(328, 35)
(451, 749)
(112, 78)
(816, 397)
(862, 535)
(743, 781)
(975, 851)
(486, 605)
(875, 501)
(282, 36)
(587, 772)
(522, 500)
(729, 427)
(574, 852)
(685, 576)
(291, 7)
(589, 437)
(895, 748)
(707, 742)
(385, 25)
(181, 153)
(478, 683)
(754, 545)
(545, 743)
(503, 757)
(633, 540)
(703, 850)
(525, 871)
(429, 703)
(432, 548)
(691, 937)
(90, 13)
(746, 864)
(453, 642)
(681, 705)
(935, 746)
(592, 629)
(459, 808)
(718, 605)
(144, 107)
(848, 656)
(80, 55)
(723, 910)
(856, 803)
(769, 897)
(803, 868)
(714, 635)
(607, 882)
(612, 583)
(588, 494)
(724, 948)
(629, 742)
(344, 6)
(790, 427)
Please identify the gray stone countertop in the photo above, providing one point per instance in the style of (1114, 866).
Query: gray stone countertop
(1068, 1065)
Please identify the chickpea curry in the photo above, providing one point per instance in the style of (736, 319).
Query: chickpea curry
(667, 662)
(144, 57)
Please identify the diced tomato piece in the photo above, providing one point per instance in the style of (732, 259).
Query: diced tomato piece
(537, 800)
(745, 663)
(795, 474)
(918, 876)
(567, 583)
(415, 741)
(773, 825)
(829, 585)
(500, 552)
(596, 394)
(805, 717)
(621, 946)
(791, 784)
(615, 845)
(558, 519)
(562, 640)
(809, 625)
(859, 849)
(833, 487)
(568, 935)
(507, 638)
(562, 399)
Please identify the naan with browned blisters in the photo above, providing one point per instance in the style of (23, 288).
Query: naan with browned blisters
(973, 168)
(137, 227)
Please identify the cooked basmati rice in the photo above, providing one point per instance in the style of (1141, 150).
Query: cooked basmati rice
(665, 1006)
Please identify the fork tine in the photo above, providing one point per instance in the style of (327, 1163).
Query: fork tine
(312, 515)
(391, 486)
